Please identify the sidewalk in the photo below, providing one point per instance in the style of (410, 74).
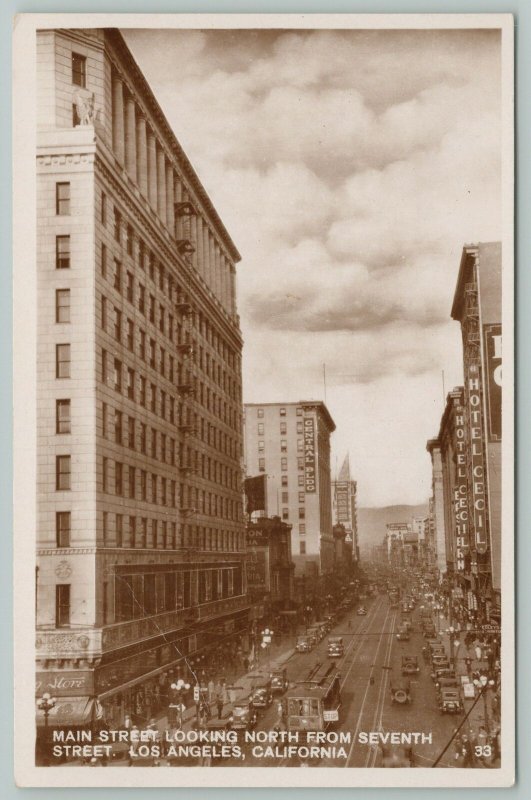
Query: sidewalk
(241, 685)
(482, 714)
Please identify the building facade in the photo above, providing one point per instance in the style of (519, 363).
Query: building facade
(436, 507)
(290, 444)
(477, 308)
(466, 455)
(270, 570)
(344, 499)
(140, 534)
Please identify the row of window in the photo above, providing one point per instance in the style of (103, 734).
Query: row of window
(283, 446)
(282, 412)
(156, 357)
(284, 466)
(162, 280)
(125, 430)
(143, 532)
(302, 513)
(164, 320)
(301, 495)
(157, 314)
(159, 490)
(136, 391)
(138, 595)
(165, 408)
(283, 429)
(144, 594)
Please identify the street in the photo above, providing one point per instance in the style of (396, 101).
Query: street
(372, 660)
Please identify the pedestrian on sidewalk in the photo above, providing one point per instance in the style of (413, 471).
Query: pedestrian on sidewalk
(224, 692)
(211, 691)
(481, 744)
(458, 747)
(467, 752)
(219, 700)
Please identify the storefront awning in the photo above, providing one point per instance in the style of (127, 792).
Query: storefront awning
(69, 711)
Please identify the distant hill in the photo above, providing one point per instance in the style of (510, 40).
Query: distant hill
(372, 522)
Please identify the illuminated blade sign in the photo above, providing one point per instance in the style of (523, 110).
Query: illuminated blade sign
(309, 455)
(493, 358)
(476, 459)
(460, 491)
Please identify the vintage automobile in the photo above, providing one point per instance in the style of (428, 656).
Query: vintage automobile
(362, 611)
(450, 700)
(403, 634)
(335, 647)
(410, 665)
(314, 635)
(436, 651)
(401, 692)
(279, 680)
(444, 672)
(304, 644)
(447, 681)
(244, 715)
(429, 631)
(261, 695)
(439, 661)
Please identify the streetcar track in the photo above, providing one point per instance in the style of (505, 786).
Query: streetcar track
(350, 651)
(364, 700)
(378, 714)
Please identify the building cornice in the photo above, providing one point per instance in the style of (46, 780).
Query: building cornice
(142, 88)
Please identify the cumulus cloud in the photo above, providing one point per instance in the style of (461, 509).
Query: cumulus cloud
(350, 168)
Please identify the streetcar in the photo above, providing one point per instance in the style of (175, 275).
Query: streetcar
(313, 703)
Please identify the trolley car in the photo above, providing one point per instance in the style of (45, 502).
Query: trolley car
(313, 703)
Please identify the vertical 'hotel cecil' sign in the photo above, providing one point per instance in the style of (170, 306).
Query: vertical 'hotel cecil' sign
(477, 487)
(461, 489)
(309, 454)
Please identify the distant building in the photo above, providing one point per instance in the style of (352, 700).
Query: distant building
(290, 444)
(396, 534)
(437, 520)
(270, 567)
(344, 498)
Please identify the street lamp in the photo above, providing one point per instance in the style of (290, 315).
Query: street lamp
(179, 688)
(45, 704)
(483, 684)
(267, 638)
(454, 643)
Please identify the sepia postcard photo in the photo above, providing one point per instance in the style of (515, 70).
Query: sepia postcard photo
(263, 291)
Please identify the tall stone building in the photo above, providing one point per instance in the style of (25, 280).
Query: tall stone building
(140, 535)
(466, 455)
(290, 444)
(477, 307)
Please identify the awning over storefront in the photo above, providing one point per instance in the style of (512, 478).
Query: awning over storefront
(69, 711)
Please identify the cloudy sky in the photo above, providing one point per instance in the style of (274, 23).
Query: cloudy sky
(350, 167)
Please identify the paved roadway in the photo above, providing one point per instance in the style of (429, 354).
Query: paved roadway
(372, 657)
